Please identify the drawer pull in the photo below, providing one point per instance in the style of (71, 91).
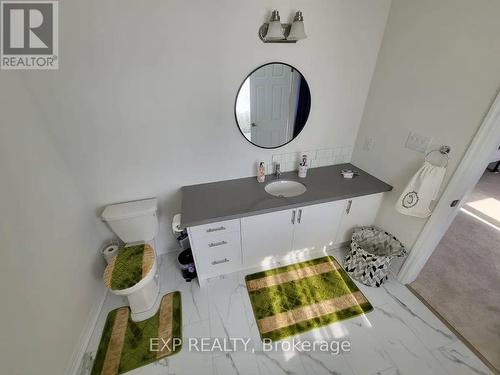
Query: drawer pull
(348, 209)
(215, 262)
(214, 244)
(210, 230)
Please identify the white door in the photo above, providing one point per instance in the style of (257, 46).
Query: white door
(359, 211)
(266, 238)
(270, 97)
(316, 226)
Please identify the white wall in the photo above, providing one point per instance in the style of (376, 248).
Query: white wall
(143, 104)
(437, 73)
(143, 101)
(50, 270)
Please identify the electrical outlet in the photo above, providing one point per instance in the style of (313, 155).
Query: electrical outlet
(417, 142)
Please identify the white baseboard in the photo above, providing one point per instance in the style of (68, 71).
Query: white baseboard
(74, 366)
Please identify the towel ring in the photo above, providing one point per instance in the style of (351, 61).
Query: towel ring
(443, 150)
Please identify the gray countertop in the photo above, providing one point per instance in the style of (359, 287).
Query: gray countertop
(233, 199)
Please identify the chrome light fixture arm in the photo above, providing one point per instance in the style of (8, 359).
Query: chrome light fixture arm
(286, 27)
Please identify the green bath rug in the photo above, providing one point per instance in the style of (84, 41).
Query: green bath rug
(125, 345)
(294, 299)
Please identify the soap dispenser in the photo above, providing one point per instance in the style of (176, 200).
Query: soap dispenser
(261, 172)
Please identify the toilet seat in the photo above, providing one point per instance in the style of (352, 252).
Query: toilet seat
(131, 269)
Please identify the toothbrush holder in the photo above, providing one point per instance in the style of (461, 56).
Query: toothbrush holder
(302, 171)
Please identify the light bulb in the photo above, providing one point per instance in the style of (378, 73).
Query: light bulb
(297, 30)
(274, 30)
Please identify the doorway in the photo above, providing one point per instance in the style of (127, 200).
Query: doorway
(462, 232)
(461, 279)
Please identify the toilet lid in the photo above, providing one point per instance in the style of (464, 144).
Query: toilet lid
(129, 266)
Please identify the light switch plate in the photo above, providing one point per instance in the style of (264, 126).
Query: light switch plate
(418, 142)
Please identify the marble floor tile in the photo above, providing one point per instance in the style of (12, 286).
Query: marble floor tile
(403, 348)
(325, 364)
(188, 361)
(389, 371)
(157, 368)
(228, 317)
(418, 317)
(457, 359)
(401, 336)
(236, 363)
(194, 298)
(373, 294)
(368, 354)
(280, 363)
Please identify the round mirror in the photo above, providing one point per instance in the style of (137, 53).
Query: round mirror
(272, 105)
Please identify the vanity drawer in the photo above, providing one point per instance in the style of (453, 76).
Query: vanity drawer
(218, 255)
(215, 229)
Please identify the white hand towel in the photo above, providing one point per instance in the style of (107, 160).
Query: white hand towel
(422, 189)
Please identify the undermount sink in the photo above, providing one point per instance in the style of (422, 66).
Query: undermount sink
(285, 188)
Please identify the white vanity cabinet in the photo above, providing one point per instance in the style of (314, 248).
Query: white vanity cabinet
(269, 239)
(266, 237)
(216, 248)
(316, 226)
(359, 211)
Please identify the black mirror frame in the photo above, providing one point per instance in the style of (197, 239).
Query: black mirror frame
(238, 93)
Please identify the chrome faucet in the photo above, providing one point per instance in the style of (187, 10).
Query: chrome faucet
(277, 170)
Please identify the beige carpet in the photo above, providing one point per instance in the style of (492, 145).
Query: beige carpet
(461, 280)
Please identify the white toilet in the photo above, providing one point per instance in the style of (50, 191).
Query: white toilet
(135, 265)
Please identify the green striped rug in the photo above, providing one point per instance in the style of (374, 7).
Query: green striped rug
(294, 299)
(125, 345)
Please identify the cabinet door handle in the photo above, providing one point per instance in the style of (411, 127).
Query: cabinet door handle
(300, 216)
(215, 262)
(214, 244)
(210, 230)
(348, 209)
(293, 217)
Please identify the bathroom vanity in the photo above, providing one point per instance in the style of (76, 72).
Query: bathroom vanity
(237, 224)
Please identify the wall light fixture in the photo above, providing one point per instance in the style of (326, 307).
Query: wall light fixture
(276, 32)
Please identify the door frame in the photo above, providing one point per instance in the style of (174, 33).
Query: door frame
(463, 181)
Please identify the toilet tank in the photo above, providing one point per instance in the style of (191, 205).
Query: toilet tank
(133, 221)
